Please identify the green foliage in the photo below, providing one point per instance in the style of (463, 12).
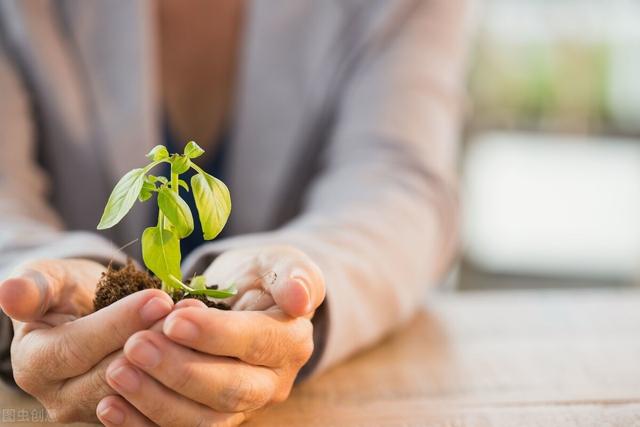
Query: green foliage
(148, 187)
(161, 243)
(176, 210)
(198, 283)
(193, 150)
(122, 198)
(216, 293)
(159, 152)
(198, 286)
(179, 164)
(213, 202)
(161, 253)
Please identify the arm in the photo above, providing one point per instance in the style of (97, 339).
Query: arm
(29, 227)
(380, 219)
(379, 222)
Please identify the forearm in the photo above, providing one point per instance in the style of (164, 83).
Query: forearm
(377, 263)
(77, 244)
(30, 227)
(380, 219)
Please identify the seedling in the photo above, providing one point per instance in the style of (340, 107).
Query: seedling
(161, 243)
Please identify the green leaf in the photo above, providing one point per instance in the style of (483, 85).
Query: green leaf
(179, 164)
(122, 198)
(161, 253)
(193, 150)
(213, 202)
(159, 152)
(145, 195)
(154, 179)
(182, 183)
(216, 293)
(198, 282)
(176, 210)
(147, 191)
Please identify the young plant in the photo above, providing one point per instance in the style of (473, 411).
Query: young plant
(161, 243)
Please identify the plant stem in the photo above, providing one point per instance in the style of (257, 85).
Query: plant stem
(165, 286)
(160, 220)
(177, 284)
(214, 293)
(174, 182)
(198, 169)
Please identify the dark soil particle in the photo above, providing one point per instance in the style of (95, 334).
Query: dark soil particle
(179, 295)
(117, 283)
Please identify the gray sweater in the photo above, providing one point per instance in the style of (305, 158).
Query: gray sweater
(346, 116)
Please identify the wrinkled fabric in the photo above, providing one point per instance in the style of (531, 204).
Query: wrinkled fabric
(345, 139)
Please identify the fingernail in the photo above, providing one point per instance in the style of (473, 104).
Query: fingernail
(309, 305)
(301, 277)
(181, 329)
(155, 309)
(144, 354)
(126, 378)
(111, 414)
(189, 302)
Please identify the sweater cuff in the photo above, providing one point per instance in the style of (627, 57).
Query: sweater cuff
(6, 336)
(77, 244)
(320, 332)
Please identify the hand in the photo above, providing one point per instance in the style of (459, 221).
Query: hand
(59, 356)
(242, 361)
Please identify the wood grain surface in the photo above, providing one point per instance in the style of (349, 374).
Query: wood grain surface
(531, 358)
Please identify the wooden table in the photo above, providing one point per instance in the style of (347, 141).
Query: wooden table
(553, 358)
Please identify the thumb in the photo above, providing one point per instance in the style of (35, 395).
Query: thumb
(292, 279)
(39, 287)
(299, 292)
(29, 295)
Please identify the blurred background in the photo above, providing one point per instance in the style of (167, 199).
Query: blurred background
(551, 158)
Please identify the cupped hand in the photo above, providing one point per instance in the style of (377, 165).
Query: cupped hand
(209, 367)
(280, 277)
(60, 352)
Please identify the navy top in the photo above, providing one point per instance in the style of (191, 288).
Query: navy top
(212, 164)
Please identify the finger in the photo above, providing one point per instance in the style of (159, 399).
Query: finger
(288, 274)
(73, 348)
(159, 404)
(220, 383)
(189, 302)
(254, 299)
(294, 295)
(115, 411)
(44, 285)
(25, 298)
(84, 391)
(298, 288)
(30, 294)
(258, 338)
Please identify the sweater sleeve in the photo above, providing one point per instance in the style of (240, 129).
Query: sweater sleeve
(380, 219)
(29, 226)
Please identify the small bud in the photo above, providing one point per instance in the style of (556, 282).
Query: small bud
(159, 152)
(193, 150)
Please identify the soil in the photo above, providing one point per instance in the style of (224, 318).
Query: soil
(179, 295)
(117, 283)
